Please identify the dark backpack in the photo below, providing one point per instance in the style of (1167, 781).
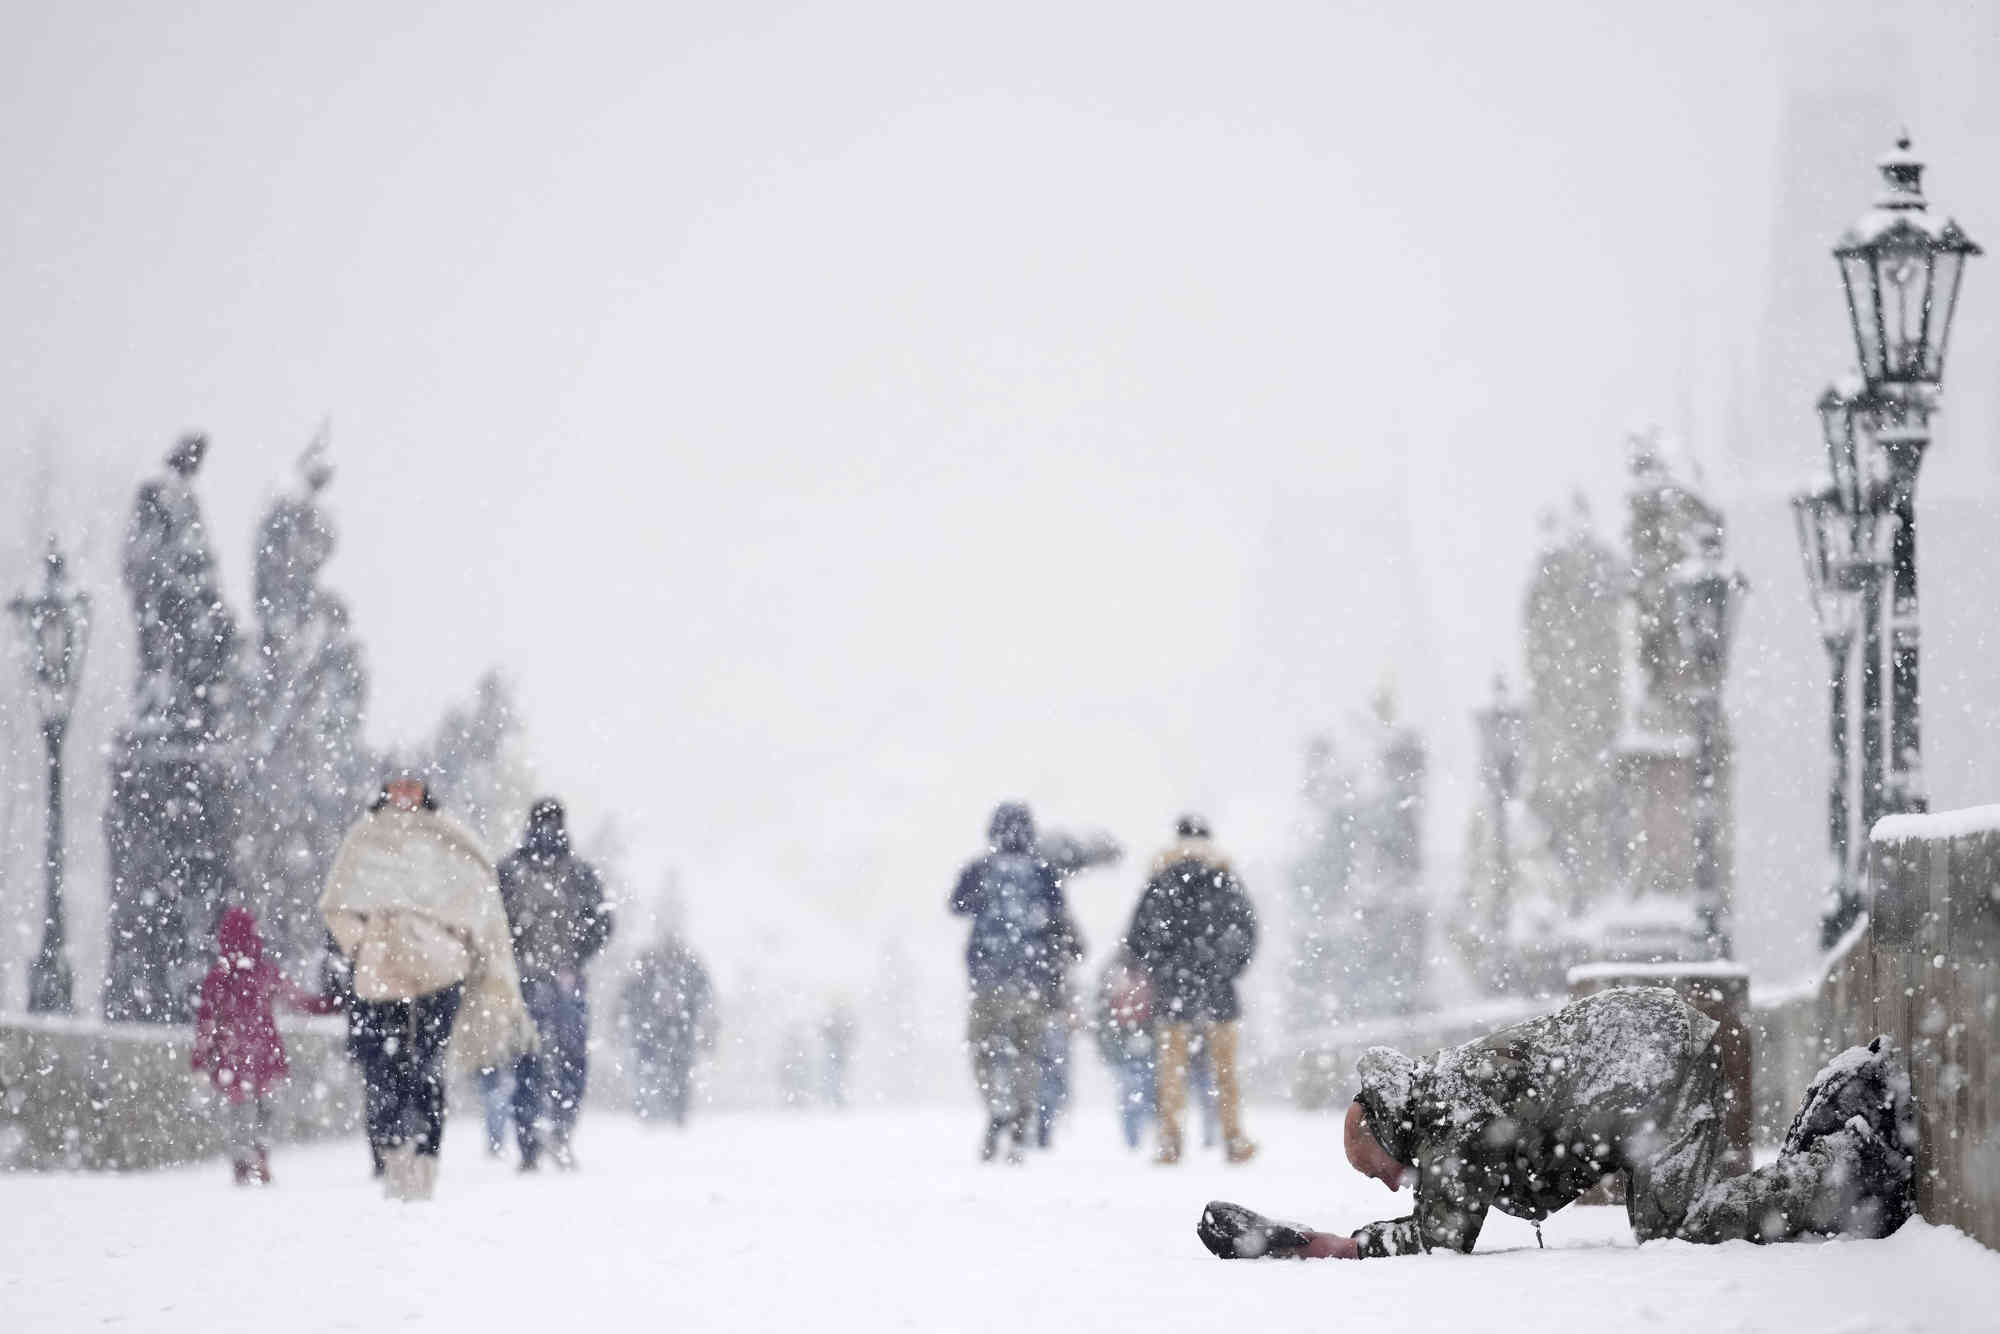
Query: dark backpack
(1015, 920)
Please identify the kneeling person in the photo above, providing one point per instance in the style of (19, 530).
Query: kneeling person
(1625, 1081)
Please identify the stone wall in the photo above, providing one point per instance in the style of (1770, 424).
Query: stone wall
(81, 1095)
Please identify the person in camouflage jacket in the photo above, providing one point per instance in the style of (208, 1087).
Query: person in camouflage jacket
(1625, 1081)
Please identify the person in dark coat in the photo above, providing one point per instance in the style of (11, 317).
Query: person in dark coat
(1626, 1081)
(1017, 962)
(1193, 933)
(556, 911)
(666, 1010)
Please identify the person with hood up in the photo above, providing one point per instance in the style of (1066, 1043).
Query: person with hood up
(412, 904)
(556, 911)
(1626, 1081)
(1017, 961)
(236, 1039)
(1193, 933)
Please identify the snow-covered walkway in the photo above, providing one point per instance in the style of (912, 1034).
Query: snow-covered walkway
(881, 1221)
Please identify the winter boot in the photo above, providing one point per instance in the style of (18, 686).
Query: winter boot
(531, 1154)
(1239, 1150)
(260, 1170)
(1170, 1146)
(241, 1168)
(399, 1174)
(423, 1176)
(1018, 1152)
(1232, 1232)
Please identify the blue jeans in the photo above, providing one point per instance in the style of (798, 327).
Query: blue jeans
(493, 1098)
(1135, 1096)
(554, 1078)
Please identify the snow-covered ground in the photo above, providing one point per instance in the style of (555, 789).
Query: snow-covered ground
(881, 1220)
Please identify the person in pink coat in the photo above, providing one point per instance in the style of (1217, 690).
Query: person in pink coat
(236, 1039)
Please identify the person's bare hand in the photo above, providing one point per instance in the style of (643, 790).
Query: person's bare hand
(1329, 1246)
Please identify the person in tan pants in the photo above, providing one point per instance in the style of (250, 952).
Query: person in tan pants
(1193, 933)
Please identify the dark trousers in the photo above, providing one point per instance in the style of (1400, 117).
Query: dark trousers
(553, 1079)
(400, 1048)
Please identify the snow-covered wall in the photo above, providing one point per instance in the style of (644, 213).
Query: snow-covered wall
(79, 1094)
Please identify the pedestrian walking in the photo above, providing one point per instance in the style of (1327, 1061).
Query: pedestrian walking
(556, 911)
(1021, 947)
(236, 1039)
(413, 906)
(836, 1035)
(667, 1013)
(1124, 1031)
(1194, 932)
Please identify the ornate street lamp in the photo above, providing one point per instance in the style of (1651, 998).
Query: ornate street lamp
(1703, 597)
(1500, 729)
(57, 623)
(1901, 266)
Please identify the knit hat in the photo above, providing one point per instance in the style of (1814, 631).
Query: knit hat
(1387, 1094)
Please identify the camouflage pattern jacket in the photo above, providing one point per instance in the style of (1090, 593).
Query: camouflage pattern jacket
(1527, 1119)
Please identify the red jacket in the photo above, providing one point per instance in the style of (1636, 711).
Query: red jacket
(236, 1027)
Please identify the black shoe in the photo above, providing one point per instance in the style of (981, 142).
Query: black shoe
(1232, 1232)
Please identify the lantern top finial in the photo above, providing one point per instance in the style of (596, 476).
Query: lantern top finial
(1902, 177)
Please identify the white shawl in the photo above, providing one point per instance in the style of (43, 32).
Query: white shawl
(414, 904)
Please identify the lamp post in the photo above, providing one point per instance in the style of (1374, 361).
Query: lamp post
(1500, 745)
(1703, 598)
(58, 628)
(1820, 522)
(1845, 529)
(1901, 266)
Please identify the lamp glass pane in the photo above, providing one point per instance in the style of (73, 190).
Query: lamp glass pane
(1902, 272)
(1859, 276)
(1947, 268)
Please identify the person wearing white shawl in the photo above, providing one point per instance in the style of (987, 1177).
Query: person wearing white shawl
(413, 904)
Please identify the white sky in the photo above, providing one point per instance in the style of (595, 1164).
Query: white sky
(838, 417)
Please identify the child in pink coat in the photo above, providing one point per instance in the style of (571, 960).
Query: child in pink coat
(236, 1038)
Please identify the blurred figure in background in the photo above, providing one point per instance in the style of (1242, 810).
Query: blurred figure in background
(1124, 1031)
(1065, 854)
(795, 1068)
(413, 906)
(236, 1039)
(1017, 959)
(837, 1038)
(666, 1010)
(556, 910)
(1194, 932)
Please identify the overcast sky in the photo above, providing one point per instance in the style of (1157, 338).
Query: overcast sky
(836, 418)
